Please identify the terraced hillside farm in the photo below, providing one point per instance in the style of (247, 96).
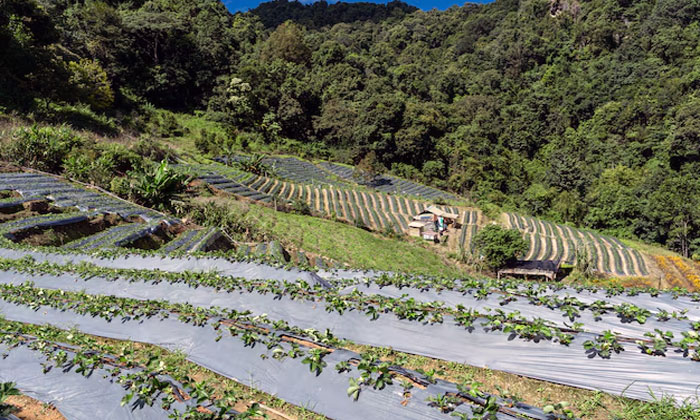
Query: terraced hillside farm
(470, 222)
(42, 210)
(280, 337)
(334, 174)
(240, 328)
(679, 272)
(551, 241)
(388, 183)
(377, 211)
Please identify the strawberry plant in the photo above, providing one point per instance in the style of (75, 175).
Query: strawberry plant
(660, 341)
(561, 408)
(314, 359)
(444, 402)
(628, 312)
(603, 346)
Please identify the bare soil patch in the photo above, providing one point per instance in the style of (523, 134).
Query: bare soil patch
(31, 409)
(61, 235)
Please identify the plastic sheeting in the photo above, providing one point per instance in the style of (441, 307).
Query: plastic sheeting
(630, 371)
(288, 379)
(248, 270)
(609, 321)
(77, 397)
(67, 195)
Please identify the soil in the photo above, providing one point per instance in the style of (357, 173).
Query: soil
(221, 244)
(29, 209)
(153, 241)
(60, 235)
(31, 409)
(8, 194)
(6, 167)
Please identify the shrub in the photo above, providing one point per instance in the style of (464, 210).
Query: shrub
(233, 218)
(206, 142)
(43, 148)
(91, 84)
(120, 186)
(254, 164)
(368, 168)
(78, 116)
(151, 150)
(169, 126)
(7, 389)
(405, 170)
(498, 245)
(300, 207)
(100, 163)
(433, 169)
(157, 186)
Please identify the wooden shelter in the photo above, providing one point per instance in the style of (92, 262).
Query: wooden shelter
(542, 268)
(416, 228)
(432, 210)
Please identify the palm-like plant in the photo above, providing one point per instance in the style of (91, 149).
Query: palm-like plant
(7, 389)
(157, 186)
(255, 164)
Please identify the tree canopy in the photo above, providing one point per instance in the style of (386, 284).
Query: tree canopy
(499, 246)
(585, 112)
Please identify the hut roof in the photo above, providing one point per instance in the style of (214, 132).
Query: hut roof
(547, 268)
(542, 265)
(438, 212)
(416, 224)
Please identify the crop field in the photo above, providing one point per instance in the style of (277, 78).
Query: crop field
(389, 184)
(238, 327)
(374, 210)
(334, 174)
(50, 212)
(470, 226)
(679, 272)
(70, 316)
(551, 241)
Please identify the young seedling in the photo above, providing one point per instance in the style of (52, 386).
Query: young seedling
(603, 345)
(560, 408)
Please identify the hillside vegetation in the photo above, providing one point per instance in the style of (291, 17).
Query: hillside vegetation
(205, 188)
(576, 111)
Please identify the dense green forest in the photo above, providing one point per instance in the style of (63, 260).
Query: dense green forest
(585, 112)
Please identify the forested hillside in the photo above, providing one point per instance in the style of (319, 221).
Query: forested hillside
(577, 111)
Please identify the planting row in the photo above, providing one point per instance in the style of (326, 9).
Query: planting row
(83, 381)
(36, 221)
(466, 305)
(374, 210)
(388, 183)
(470, 226)
(301, 171)
(333, 174)
(300, 366)
(367, 318)
(551, 241)
(30, 186)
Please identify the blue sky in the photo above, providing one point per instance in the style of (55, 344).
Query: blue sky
(243, 5)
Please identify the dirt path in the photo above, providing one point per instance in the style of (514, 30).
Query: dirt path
(360, 206)
(507, 221)
(309, 196)
(531, 246)
(291, 191)
(326, 201)
(568, 252)
(31, 409)
(593, 245)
